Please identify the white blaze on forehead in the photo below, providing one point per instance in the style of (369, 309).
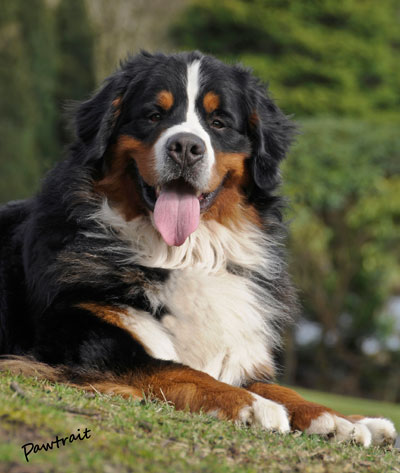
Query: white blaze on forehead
(191, 124)
(192, 91)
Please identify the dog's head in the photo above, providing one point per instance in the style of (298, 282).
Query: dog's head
(183, 137)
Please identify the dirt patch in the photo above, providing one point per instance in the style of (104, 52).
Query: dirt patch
(19, 432)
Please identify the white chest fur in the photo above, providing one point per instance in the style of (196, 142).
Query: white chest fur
(215, 324)
(216, 321)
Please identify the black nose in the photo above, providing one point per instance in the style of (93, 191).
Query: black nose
(185, 148)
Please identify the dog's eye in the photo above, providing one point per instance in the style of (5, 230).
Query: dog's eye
(217, 124)
(155, 117)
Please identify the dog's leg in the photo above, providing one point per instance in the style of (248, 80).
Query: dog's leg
(105, 349)
(313, 418)
(196, 391)
(180, 385)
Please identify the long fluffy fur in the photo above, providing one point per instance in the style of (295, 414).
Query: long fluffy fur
(226, 283)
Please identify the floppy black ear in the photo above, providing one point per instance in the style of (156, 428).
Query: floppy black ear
(95, 118)
(272, 134)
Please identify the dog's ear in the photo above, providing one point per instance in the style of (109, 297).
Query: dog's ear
(272, 133)
(95, 119)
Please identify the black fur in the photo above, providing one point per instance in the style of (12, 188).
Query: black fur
(54, 255)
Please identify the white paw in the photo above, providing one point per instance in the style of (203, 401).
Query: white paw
(265, 413)
(330, 425)
(382, 430)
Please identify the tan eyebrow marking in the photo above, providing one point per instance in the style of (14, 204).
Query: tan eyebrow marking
(165, 99)
(211, 102)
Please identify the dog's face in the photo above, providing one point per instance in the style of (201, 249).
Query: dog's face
(183, 137)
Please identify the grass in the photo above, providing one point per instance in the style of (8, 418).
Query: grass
(132, 436)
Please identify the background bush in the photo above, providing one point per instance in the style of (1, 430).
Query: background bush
(46, 58)
(336, 57)
(343, 177)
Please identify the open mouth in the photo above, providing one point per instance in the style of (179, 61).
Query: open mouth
(150, 194)
(176, 207)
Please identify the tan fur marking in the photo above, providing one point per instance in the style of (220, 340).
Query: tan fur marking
(110, 387)
(184, 387)
(118, 185)
(254, 119)
(230, 207)
(194, 390)
(355, 417)
(142, 153)
(27, 366)
(107, 313)
(211, 102)
(110, 315)
(165, 99)
(116, 104)
(301, 412)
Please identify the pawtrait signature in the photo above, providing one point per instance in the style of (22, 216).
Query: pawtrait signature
(29, 447)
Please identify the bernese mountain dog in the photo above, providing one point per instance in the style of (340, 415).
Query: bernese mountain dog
(151, 263)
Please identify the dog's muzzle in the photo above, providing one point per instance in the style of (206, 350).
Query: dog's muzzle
(185, 157)
(186, 149)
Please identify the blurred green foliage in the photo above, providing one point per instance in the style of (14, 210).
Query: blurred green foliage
(45, 59)
(38, 34)
(344, 180)
(19, 165)
(335, 65)
(323, 56)
(76, 70)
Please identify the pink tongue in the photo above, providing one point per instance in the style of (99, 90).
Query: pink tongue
(176, 215)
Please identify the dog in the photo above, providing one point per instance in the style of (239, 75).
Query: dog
(151, 263)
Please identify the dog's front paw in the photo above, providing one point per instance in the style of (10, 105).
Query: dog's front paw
(265, 413)
(382, 430)
(313, 418)
(255, 411)
(363, 430)
(333, 426)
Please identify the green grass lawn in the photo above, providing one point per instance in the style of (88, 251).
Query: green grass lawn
(131, 436)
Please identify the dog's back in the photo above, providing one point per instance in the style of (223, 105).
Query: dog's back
(15, 326)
